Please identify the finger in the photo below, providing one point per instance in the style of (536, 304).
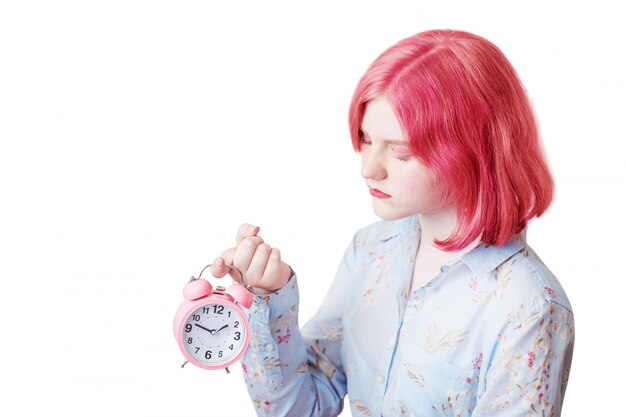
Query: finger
(246, 230)
(255, 270)
(244, 254)
(272, 270)
(218, 267)
(223, 265)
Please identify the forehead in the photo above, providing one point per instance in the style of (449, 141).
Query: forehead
(380, 121)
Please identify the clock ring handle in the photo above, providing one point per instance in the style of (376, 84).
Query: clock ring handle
(247, 286)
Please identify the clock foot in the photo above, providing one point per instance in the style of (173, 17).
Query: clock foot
(227, 370)
(184, 363)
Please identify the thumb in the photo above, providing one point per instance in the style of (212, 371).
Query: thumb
(218, 268)
(246, 230)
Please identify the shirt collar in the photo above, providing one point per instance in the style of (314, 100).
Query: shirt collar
(483, 258)
(404, 227)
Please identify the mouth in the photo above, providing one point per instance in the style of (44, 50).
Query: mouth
(378, 193)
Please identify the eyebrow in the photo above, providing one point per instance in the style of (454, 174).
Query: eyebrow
(391, 141)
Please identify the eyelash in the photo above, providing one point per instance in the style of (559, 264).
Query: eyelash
(401, 158)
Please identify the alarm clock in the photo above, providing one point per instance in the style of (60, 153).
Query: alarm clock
(210, 325)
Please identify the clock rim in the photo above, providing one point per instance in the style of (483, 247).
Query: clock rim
(188, 307)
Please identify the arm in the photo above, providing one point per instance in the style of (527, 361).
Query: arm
(529, 369)
(293, 373)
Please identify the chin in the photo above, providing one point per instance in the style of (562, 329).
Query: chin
(390, 214)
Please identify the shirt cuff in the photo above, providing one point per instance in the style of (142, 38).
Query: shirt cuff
(266, 307)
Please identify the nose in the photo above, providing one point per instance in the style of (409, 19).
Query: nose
(372, 167)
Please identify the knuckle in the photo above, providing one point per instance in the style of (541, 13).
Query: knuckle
(249, 241)
(264, 247)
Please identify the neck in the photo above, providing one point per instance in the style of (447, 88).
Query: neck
(439, 225)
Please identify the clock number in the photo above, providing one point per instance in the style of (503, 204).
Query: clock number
(189, 341)
(207, 355)
(220, 354)
(237, 324)
(188, 327)
(230, 347)
(196, 317)
(237, 335)
(197, 349)
(218, 309)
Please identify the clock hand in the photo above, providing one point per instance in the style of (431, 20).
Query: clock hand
(208, 330)
(222, 328)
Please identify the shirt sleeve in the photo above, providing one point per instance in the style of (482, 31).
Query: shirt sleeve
(289, 372)
(530, 365)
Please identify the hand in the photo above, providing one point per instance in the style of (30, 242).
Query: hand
(208, 330)
(260, 264)
(212, 331)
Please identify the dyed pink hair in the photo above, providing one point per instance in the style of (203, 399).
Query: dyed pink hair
(466, 116)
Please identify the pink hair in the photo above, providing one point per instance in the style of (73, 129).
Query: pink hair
(466, 116)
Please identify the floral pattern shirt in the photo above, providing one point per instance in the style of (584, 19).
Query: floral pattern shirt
(492, 334)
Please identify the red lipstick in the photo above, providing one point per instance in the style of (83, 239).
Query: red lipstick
(378, 193)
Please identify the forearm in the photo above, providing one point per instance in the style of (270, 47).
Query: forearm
(281, 369)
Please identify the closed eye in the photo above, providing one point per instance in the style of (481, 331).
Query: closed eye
(403, 158)
(363, 141)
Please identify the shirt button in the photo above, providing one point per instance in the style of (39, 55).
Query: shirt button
(269, 346)
(380, 379)
(262, 307)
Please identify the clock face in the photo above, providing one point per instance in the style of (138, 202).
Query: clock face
(213, 334)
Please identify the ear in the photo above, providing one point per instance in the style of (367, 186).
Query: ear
(197, 288)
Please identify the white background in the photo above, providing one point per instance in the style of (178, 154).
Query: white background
(136, 136)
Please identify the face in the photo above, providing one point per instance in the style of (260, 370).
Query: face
(213, 334)
(407, 184)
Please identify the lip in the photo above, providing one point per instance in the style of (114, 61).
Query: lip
(378, 193)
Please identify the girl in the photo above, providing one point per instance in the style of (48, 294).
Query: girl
(441, 307)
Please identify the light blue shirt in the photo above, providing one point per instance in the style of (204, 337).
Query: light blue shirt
(492, 334)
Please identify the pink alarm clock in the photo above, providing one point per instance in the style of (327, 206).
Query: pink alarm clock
(210, 325)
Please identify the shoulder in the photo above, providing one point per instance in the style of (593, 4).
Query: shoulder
(525, 281)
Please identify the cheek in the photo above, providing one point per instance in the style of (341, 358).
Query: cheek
(421, 184)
